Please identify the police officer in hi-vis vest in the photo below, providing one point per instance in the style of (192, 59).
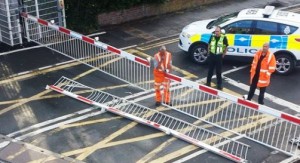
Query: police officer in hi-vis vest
(217, 47)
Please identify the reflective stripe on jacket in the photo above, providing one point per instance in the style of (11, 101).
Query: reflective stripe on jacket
(166, 65)
(217, 48)
(268, 66)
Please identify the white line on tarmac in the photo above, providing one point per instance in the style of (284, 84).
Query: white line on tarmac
(41, 68)
(223, 73)
(59, 124)
(268, 96)
(49, 122)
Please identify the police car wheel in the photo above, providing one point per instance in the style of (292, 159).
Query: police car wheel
(284, 64)
(199, 54)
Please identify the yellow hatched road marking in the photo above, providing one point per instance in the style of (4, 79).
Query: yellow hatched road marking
(158, 44)
(60, 67)
(88, 122)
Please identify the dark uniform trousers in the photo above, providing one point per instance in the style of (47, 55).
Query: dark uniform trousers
(215, 61)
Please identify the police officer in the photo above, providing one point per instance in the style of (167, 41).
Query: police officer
(217, 47)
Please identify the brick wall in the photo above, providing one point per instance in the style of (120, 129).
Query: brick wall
(139, 12)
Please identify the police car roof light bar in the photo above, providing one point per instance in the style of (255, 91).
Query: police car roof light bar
(268, 11)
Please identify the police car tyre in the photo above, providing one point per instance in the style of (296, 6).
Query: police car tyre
(198, 53)
(285, 64)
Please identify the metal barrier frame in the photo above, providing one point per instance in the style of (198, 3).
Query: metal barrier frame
(158, 120)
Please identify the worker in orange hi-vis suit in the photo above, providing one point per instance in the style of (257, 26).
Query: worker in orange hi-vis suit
(162, 65)
(263, 65)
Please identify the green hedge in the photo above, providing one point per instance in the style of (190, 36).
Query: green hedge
(81, 14)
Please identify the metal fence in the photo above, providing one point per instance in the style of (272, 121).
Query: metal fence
(10, 29)
(201, 137)
(124, 66)
(10, 24)
(50, 10)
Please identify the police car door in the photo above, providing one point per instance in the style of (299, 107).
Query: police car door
(239, 35)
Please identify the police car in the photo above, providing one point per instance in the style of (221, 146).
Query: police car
(246, 32)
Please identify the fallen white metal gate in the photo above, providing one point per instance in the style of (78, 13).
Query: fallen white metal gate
(256, 122)
(201, 137)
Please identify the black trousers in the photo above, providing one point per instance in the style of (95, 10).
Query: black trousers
(215, 61)
(253, 86)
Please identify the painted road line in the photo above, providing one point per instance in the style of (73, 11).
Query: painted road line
(158, 44)
(32, 73)
(268, 96)
(85, 152)
(39, 125)
(158, 39)
(40, 94)
(203, 80)
(89, 122)
(36, 132)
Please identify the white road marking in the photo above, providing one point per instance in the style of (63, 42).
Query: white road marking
(4, 144)
(223, 73)
(268, 96)
(39, 131)
(49, 122)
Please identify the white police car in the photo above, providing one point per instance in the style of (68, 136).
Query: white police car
(246, 32)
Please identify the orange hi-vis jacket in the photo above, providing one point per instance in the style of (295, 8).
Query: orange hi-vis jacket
(160, 77)
(268, 65)
(165, 66)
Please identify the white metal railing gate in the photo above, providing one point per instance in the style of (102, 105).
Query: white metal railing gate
(201, 137)
(256, 122)
(124, 66)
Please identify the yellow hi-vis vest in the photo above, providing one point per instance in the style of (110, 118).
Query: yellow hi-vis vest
(220, 46)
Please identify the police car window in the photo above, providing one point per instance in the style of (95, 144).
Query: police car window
(266, 28)
(222, 19)
(239, 27)
(286, 29)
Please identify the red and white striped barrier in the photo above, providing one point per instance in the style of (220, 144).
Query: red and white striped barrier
(88, 40)
(260, 108)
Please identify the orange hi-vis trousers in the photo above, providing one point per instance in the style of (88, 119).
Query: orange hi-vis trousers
(161, 80)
